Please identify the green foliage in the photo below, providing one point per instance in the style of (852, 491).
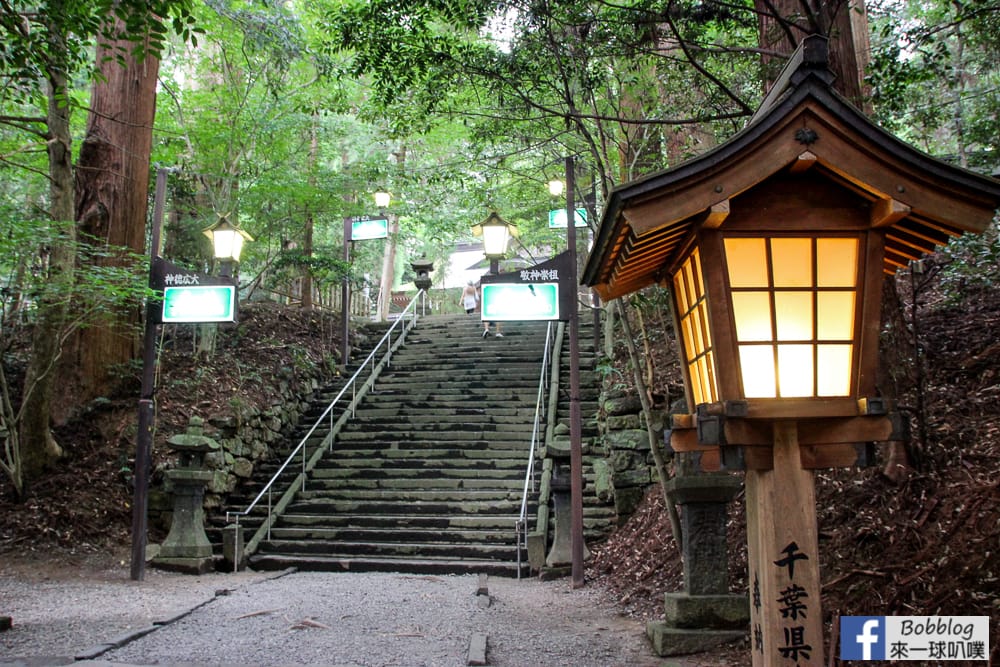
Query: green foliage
(934, 77)
(973, 262)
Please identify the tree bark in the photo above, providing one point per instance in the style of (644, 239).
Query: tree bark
(783, 24)
(112, 190)
(38, 447)
(307, 244)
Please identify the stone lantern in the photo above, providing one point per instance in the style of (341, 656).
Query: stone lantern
(187, 548)
(422, 267)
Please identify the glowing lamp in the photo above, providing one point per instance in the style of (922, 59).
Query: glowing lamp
(496, 233)
(791, 310)
(227, 240)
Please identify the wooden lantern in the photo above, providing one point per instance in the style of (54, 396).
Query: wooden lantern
(774, 246)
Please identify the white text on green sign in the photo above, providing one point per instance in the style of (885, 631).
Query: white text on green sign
(520, 301)
(199, 303)
(363, 229)
(557, 218)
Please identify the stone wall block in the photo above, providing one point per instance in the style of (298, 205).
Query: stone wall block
(603, 485)
(242, 467)
(623, 422)
(624, 459)
(622, 405)
(626, 478)
(634, 439)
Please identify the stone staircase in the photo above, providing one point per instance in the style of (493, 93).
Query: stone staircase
(428, 476)
(367, 336)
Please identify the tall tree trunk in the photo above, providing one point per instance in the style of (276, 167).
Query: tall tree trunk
(783, 24)
(389, 256)
(112, 189)
(38, 448)
(307, 244)
(388, 270)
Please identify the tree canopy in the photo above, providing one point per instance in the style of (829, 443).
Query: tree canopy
(287, 116)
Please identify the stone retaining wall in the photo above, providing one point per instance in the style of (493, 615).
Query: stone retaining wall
(630, 468)
(247, 435)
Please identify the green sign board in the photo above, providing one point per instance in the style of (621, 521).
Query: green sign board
(199, 303)
(520, 301)
(364, 228)
(557, 218)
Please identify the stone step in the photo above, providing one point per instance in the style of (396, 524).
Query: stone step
(345, 484)
(496, 386)
(420, 497)
(453, 405)
(421, 475)
(465, 440)
(440, 566)
(388, 417)
(414, 460)
(397, 506)
(446, 427)
(399, 448)
(422, 550)
(500, 535)
(595, 523)
(386, 521)
(386, 455)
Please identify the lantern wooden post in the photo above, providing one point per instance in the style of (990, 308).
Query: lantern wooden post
(786, 622)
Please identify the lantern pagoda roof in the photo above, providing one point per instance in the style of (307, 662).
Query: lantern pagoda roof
(804, 136)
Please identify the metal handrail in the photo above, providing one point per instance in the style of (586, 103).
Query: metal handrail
(520, 528)
(408, 319)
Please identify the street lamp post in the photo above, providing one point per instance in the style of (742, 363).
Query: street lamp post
(227, 242)
(144, 435)
(575, 418)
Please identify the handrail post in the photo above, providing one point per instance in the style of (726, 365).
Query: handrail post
(236, 545)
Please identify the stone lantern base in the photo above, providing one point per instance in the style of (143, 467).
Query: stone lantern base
(705, 614)
(187, 548)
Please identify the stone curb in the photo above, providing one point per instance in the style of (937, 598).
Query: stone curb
(477, 643)
(98, 650)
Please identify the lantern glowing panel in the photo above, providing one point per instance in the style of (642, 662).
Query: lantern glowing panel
(495, 239)
(692, 309)
(794, 310)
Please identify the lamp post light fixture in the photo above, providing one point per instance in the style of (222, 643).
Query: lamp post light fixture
(775, 245)
(227, 243)
(382, 199)
(496, 233)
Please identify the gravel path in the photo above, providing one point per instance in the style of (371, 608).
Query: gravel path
(342, 619)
